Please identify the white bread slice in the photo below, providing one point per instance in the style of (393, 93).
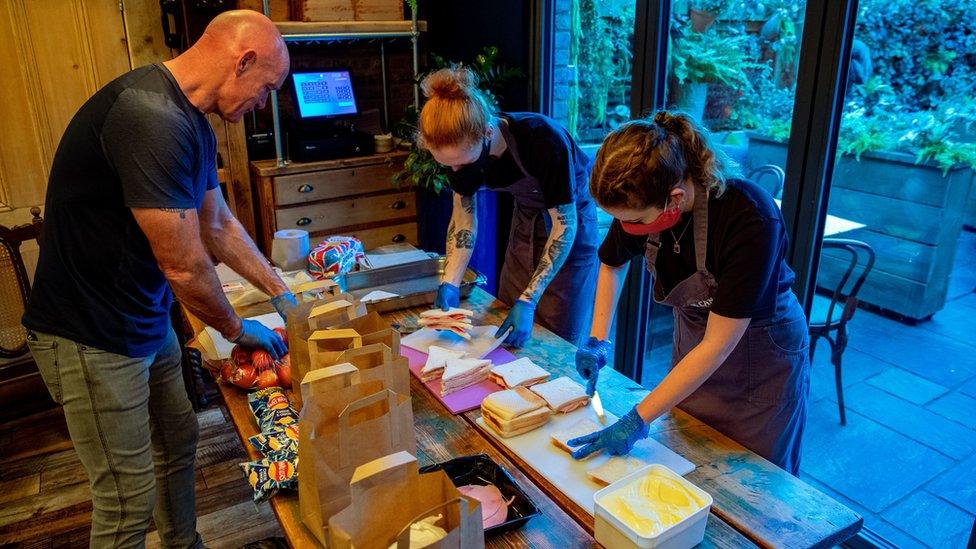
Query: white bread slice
(463, 372)
(437, 358)
(522, 372)
(562, 394)
(615, 468)
(510, 404)
(582, 427)
(451, 312)
(523, 424)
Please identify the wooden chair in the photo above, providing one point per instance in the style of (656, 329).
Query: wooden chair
(773, 172)
(22, 391)
(829, 316)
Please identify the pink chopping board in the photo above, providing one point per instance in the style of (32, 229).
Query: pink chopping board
(466, 399)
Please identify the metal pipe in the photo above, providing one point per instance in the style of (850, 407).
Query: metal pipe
(313, 36)
(386, 94)
(276, 122)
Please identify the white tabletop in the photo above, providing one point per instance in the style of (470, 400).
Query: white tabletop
(835, 225)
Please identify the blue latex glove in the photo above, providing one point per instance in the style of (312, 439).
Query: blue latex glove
(519, 320)
(616, 439)
(255, 334)
(448, 295)
(590, 357)
(284, 303)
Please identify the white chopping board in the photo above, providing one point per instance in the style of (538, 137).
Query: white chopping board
(481, 343)
(569, 475)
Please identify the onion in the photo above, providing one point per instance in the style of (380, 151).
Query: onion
(262, 360)
(247, 376)
(283, 333)
(266, 378)
(240, 355)
(283, 369)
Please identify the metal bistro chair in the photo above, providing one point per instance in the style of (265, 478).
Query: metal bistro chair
(775, 172)
(22, 391)
(829, 316)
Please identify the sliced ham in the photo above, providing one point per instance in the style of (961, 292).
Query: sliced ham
(494, 508)
(463, 372)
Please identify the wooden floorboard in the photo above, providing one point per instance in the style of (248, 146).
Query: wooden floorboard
(45, 501)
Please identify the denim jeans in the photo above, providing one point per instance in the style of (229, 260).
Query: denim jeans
(136, 434)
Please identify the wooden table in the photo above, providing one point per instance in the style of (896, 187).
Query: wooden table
(755, 502)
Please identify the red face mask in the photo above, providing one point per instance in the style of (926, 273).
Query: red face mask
(668, 218)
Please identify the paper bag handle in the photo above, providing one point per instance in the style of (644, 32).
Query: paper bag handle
(375, 348)
(403, 538)
(326, 284)
(381, 471)
(344, 426)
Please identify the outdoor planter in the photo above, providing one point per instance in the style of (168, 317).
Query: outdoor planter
(913, 215)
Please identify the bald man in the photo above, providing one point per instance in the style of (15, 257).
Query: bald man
(133, 215)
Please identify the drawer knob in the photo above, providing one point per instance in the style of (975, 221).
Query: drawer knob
(303, 221)
(306, 188)
(398, 238)
(399, 205)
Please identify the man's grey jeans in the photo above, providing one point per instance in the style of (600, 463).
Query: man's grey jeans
(136, 435)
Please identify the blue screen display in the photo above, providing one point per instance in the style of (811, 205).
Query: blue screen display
(324, 93)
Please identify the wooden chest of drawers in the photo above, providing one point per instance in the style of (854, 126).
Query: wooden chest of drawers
(352, 196)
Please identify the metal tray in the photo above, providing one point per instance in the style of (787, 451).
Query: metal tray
(414, 283)
(480, 469)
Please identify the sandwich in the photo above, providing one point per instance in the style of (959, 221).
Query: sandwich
(454, 320)
(463, 372)
(562, 394)
(581, 428)
(514, 411)
(437, 358)
(522, 372)
(615, 468)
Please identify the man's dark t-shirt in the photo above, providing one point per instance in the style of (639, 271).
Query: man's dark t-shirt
(746, 251)
(137, 143)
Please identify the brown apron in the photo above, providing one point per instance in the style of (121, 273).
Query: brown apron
(758, 395)
(567, 304)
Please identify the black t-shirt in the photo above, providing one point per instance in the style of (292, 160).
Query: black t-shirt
(746, 251)
(548, 153)
(138, 142)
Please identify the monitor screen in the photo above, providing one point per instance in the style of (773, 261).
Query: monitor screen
(326, 93)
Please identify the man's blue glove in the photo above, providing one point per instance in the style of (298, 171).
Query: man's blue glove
(255, 334)
(519, 320)
(616, 439)
(448, 295)
(284, 303)
(590, 357)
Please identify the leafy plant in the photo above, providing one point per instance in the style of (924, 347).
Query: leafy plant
(420, 169)
(713, 56)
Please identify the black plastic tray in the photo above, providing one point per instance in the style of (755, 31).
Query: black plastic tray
(480, 469)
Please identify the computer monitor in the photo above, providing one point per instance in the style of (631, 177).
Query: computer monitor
(320, 94)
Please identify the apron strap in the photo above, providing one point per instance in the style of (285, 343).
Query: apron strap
(512, 145)
(700, 218)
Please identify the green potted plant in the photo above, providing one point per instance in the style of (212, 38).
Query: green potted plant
(711, 57)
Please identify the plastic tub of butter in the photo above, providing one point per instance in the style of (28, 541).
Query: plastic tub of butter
(653, 507)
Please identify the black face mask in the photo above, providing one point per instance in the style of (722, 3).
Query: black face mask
(471, 177)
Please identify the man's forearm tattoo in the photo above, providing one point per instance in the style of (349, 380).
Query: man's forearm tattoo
(467, 202)
(181, 211)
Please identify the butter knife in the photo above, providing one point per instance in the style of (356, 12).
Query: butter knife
(598, 407)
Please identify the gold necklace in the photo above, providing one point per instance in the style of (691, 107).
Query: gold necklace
(677, 246)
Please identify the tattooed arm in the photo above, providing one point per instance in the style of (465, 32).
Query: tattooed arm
(461, 235)
(560, 242)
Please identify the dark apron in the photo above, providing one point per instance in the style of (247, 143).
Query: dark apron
(758, 395)
(567, 304)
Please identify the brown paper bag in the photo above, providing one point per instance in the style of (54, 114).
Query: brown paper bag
(374, 330)
(316, 289)
(337, 435)
(377, 362)
(331, 311)
(318, 349)
(389, 494)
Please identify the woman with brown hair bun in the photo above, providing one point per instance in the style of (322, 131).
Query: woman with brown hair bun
(550, 267)
(716, 248)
